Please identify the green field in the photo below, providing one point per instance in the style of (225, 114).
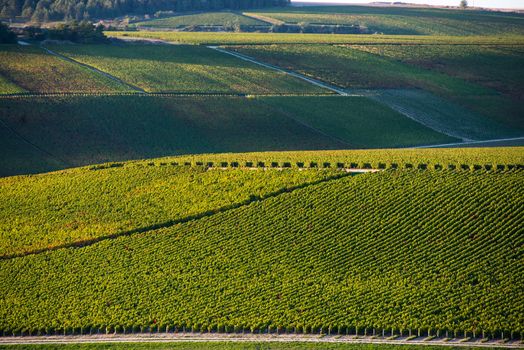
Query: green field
(116, 201)
(212, 38)
(499, 67)
(34, 70)
(406, 21)
(357, 121)
(94, 129)
(356, 69)
(188, 69)
(317, 257)
(139, 196)
(227, 19)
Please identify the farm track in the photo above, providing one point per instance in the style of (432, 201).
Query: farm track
(93, 69)
(194, 217)
(160, 94)
(245, 338)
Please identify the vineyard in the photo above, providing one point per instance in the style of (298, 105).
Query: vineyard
(118, 128)
(31, 68)
(183, 69)
(357, 69)
(211, 38)
(312, 260)
(405, 21)
(118, 198)
(227, 19)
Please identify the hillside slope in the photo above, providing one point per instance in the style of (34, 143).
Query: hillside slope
(408, 249)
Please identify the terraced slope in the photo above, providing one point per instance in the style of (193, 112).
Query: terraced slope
(34, 70)
(402, 20)
(189, 69)
(409, 249)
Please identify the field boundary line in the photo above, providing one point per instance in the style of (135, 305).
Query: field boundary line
(93, 69)
(210, 212)
(251, 338)
(313, 81)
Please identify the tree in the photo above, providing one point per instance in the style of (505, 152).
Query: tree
(463, 4)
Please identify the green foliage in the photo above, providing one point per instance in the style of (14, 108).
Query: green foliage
(42, 211)
(356, 69)
(399, 249)
(83, 32)
(117, 200)
(49, 10)
(357, 121)
(406, 21)
(32, 69)
(184, 69)
(88, 130)
(226, 19)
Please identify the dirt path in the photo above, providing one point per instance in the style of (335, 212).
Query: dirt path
(93, 69)
(284, 338)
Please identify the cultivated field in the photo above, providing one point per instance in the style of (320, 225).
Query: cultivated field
(289, 261)
(31, 69)
(405, 21)
(190, 69)
(228, 19)
(117, 128)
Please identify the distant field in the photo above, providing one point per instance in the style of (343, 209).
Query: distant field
(357, 121)
(403, 249)
(169, 68)
(498, 67)
(87, 130)
(356, 69)
(406, 21)
(32, 69)
(211, 38)
(201, 19)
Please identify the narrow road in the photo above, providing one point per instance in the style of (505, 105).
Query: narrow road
(479, 143)
(261, 338)
(95, 70)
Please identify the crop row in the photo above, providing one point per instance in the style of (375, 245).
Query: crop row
(433, 252)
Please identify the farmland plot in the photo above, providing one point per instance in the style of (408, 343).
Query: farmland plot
(356, 69)
(405, 21)
(201, 19)
(34, 70)
(184, 69)
(398, 249)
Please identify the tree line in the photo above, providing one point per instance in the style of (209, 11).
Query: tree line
(48, 10)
